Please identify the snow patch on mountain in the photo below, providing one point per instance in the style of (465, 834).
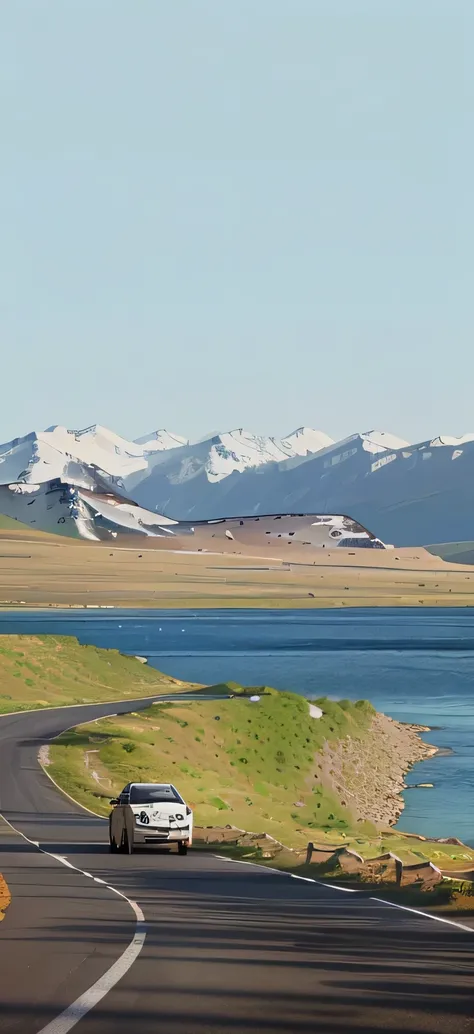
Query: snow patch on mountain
(305, 440)
(45, 455)
(239, 450)
(378, 441)
(160, 440)
(449, 439)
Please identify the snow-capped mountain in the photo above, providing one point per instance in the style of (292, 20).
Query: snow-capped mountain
(233, 473)
(58, 451)
(405, 494)
(158, 440)
(43, 455)
(223, 454)
(78, 482)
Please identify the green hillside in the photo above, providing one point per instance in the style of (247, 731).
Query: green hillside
(51, 671)
(254, 765)
(8, 523)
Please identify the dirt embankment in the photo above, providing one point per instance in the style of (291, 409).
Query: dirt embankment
(4, 896)
(368, 774)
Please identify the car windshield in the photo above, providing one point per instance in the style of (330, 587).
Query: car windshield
(153, 794)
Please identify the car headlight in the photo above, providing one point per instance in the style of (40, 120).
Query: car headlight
(179, 817)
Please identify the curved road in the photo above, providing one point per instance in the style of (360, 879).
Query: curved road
(229, 947)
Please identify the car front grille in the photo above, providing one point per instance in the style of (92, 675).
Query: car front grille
(165, 830)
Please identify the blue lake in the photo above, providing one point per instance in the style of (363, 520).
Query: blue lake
(415, 665)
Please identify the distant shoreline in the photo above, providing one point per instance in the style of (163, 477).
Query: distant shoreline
(449, 603)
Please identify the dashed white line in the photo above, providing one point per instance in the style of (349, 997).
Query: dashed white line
(75, 1012)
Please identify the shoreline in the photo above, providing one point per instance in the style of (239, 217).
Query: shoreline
(369, 774)
(303, 602)
(366, 772)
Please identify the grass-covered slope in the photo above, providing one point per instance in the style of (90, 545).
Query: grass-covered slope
(9, 524)
(51, 671)
(254, 765)
(257, 766)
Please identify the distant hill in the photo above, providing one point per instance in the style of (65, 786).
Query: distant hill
(9, 523)
(406, 494)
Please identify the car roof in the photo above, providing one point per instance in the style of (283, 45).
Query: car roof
(150, 784)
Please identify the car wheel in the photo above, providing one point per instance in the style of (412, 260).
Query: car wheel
(127, 844)
(182, 847)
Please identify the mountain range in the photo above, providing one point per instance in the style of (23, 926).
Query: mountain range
(406, 494)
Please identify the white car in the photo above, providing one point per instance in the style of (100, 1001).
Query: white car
(150, 813)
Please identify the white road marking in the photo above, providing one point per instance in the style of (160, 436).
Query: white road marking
(163, 699)
(282, 872)
(322, 883)
(75, 1012)
(58, 858)
(68, 795)
(350, 890)
(101, 988)
(426, 915)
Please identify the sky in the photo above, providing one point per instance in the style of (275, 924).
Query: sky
(255, 214)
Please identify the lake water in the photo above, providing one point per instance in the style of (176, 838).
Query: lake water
(415, 665)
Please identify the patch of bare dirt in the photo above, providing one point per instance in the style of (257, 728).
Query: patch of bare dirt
(368, 774)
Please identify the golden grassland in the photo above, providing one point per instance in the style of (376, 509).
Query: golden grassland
(39, 570)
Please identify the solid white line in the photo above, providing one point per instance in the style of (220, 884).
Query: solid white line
(350, 890)
(283, 872)
(68, 795)
(240, 861)
(96, 703)
(426, 915)
(48, 774)
(75, 1012)
(321, 883)
(94, 994)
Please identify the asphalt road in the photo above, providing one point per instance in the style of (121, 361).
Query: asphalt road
(229, 947)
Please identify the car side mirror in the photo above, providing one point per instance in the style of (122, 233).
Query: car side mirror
(114, 800)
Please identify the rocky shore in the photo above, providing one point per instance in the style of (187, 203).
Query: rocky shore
(368, 774)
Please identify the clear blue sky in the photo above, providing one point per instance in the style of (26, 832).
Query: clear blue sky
(254, 213)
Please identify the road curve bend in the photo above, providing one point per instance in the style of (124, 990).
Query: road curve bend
(229, 947)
